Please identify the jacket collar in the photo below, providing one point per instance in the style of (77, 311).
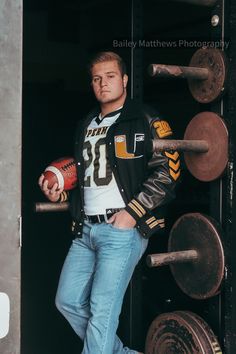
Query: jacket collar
(130, 110)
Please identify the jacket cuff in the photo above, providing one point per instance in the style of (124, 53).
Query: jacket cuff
(63, 197)
(135, 209)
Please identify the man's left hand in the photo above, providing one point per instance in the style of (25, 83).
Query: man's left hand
(122, 220)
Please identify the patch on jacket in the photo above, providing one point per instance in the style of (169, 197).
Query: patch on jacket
(122, 150)
(162, 128)
(174, 164)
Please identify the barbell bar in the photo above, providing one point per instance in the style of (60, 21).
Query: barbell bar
(206, 74)
(162, 259)
(50, 207)
(198, 146)
(176, 71)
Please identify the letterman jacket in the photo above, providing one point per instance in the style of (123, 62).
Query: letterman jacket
(146, 179)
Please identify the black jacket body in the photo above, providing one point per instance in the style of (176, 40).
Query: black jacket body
(146, 179)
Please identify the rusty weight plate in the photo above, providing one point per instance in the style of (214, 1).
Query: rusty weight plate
(200, 279)
(204, 330)
(178, 333)
(206, 91)
(209, 165)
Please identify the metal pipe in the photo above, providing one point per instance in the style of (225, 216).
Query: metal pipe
(176, 71)
(48, 207)
(162, 259)
(199, 146)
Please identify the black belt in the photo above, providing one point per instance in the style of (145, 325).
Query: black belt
(94, 219)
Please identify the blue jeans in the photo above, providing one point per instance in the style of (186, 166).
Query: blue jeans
(93, 281)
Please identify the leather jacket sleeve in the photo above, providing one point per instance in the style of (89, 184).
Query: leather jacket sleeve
(163, 174)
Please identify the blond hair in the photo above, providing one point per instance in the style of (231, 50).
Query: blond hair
(108, 56)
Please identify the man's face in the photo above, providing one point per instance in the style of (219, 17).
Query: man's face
(107, 82)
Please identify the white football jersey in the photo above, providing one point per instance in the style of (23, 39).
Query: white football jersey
(100, 189)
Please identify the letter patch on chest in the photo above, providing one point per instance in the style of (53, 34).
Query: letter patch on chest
(122, 150)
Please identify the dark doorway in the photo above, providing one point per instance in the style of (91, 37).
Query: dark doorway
(59, 39)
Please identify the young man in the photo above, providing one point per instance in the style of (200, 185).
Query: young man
(116, 207)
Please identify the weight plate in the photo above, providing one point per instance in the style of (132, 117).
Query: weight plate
(201, 278)
(205, 331)
(209, 165)
(179, 333)
(205, 91)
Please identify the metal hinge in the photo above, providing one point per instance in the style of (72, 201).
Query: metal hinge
(20, 230)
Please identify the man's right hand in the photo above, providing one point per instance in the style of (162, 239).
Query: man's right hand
(53, 194)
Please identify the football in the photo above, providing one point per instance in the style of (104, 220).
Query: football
(63, 172)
